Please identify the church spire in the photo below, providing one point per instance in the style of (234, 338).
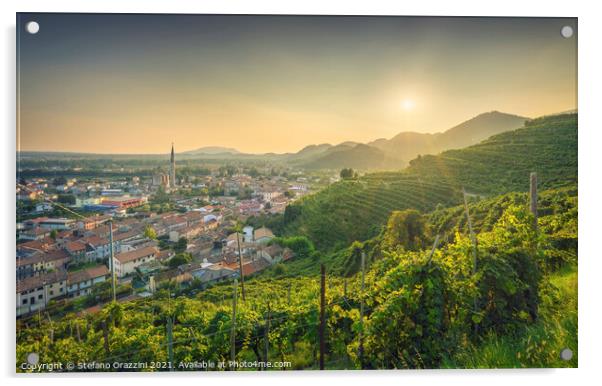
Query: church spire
(172, 168)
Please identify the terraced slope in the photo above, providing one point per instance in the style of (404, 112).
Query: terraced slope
(355, 210)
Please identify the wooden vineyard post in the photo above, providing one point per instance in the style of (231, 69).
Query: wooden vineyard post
(435, 244)
(474, 253)
(361, 337)
(233, 328)
(533, 198)
(170, 342)
(105, 335)
(472, 235)
(51, 327)
(79, 336)
(267, 336)
(289, 293)
(322, 314)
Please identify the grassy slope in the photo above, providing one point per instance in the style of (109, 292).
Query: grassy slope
(538, 345)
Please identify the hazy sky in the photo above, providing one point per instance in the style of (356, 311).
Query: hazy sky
(135, 83)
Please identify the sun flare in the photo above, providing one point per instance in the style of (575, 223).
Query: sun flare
(408, 104)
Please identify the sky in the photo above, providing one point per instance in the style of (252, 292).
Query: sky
(136, 83)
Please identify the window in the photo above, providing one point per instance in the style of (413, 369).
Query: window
(25, 301)
(51, 292)
(61, 289)
(40, 296)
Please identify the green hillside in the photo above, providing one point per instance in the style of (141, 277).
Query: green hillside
(499, 164)
(355, 210)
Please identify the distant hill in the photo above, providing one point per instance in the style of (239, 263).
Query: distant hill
(212, 150)
(355, 209)
(408, 145)
(308, 152)
(396, 152)
(357, 156)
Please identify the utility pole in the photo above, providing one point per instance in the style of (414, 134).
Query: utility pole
(242, 278)
(267, 336)
(170, 342)
(361, 342)
(233, 328)
(322, 314)
(533, 198)
(111, 258)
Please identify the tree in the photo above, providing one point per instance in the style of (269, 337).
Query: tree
(53, 234)
(405, 228)
(66, 199)
(181, 245)
(300, 245)
(150, 232)
(353, 259)
(245, 193)
(59, 181)
(347, 173)
(179, 259)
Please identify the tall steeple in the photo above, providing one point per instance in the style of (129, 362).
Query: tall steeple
(172, 168)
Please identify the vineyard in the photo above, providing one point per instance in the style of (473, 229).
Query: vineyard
(409, 283)
(356, 209)
(422, 309)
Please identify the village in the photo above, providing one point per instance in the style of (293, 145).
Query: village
(158, 233)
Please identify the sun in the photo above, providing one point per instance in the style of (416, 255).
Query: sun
(408, 104)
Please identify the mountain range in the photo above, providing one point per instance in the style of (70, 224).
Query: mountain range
(380, 154)
(399, 150)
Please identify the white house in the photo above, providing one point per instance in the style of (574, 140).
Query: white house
(262, 235)
(247, 234)
(34, 293)
(80, 283)
(127, 262)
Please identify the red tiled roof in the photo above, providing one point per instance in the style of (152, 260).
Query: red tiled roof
(87, 274)
(76, 246)
(254, 267)
(38, 281)
(125, 235)
(96, 240)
